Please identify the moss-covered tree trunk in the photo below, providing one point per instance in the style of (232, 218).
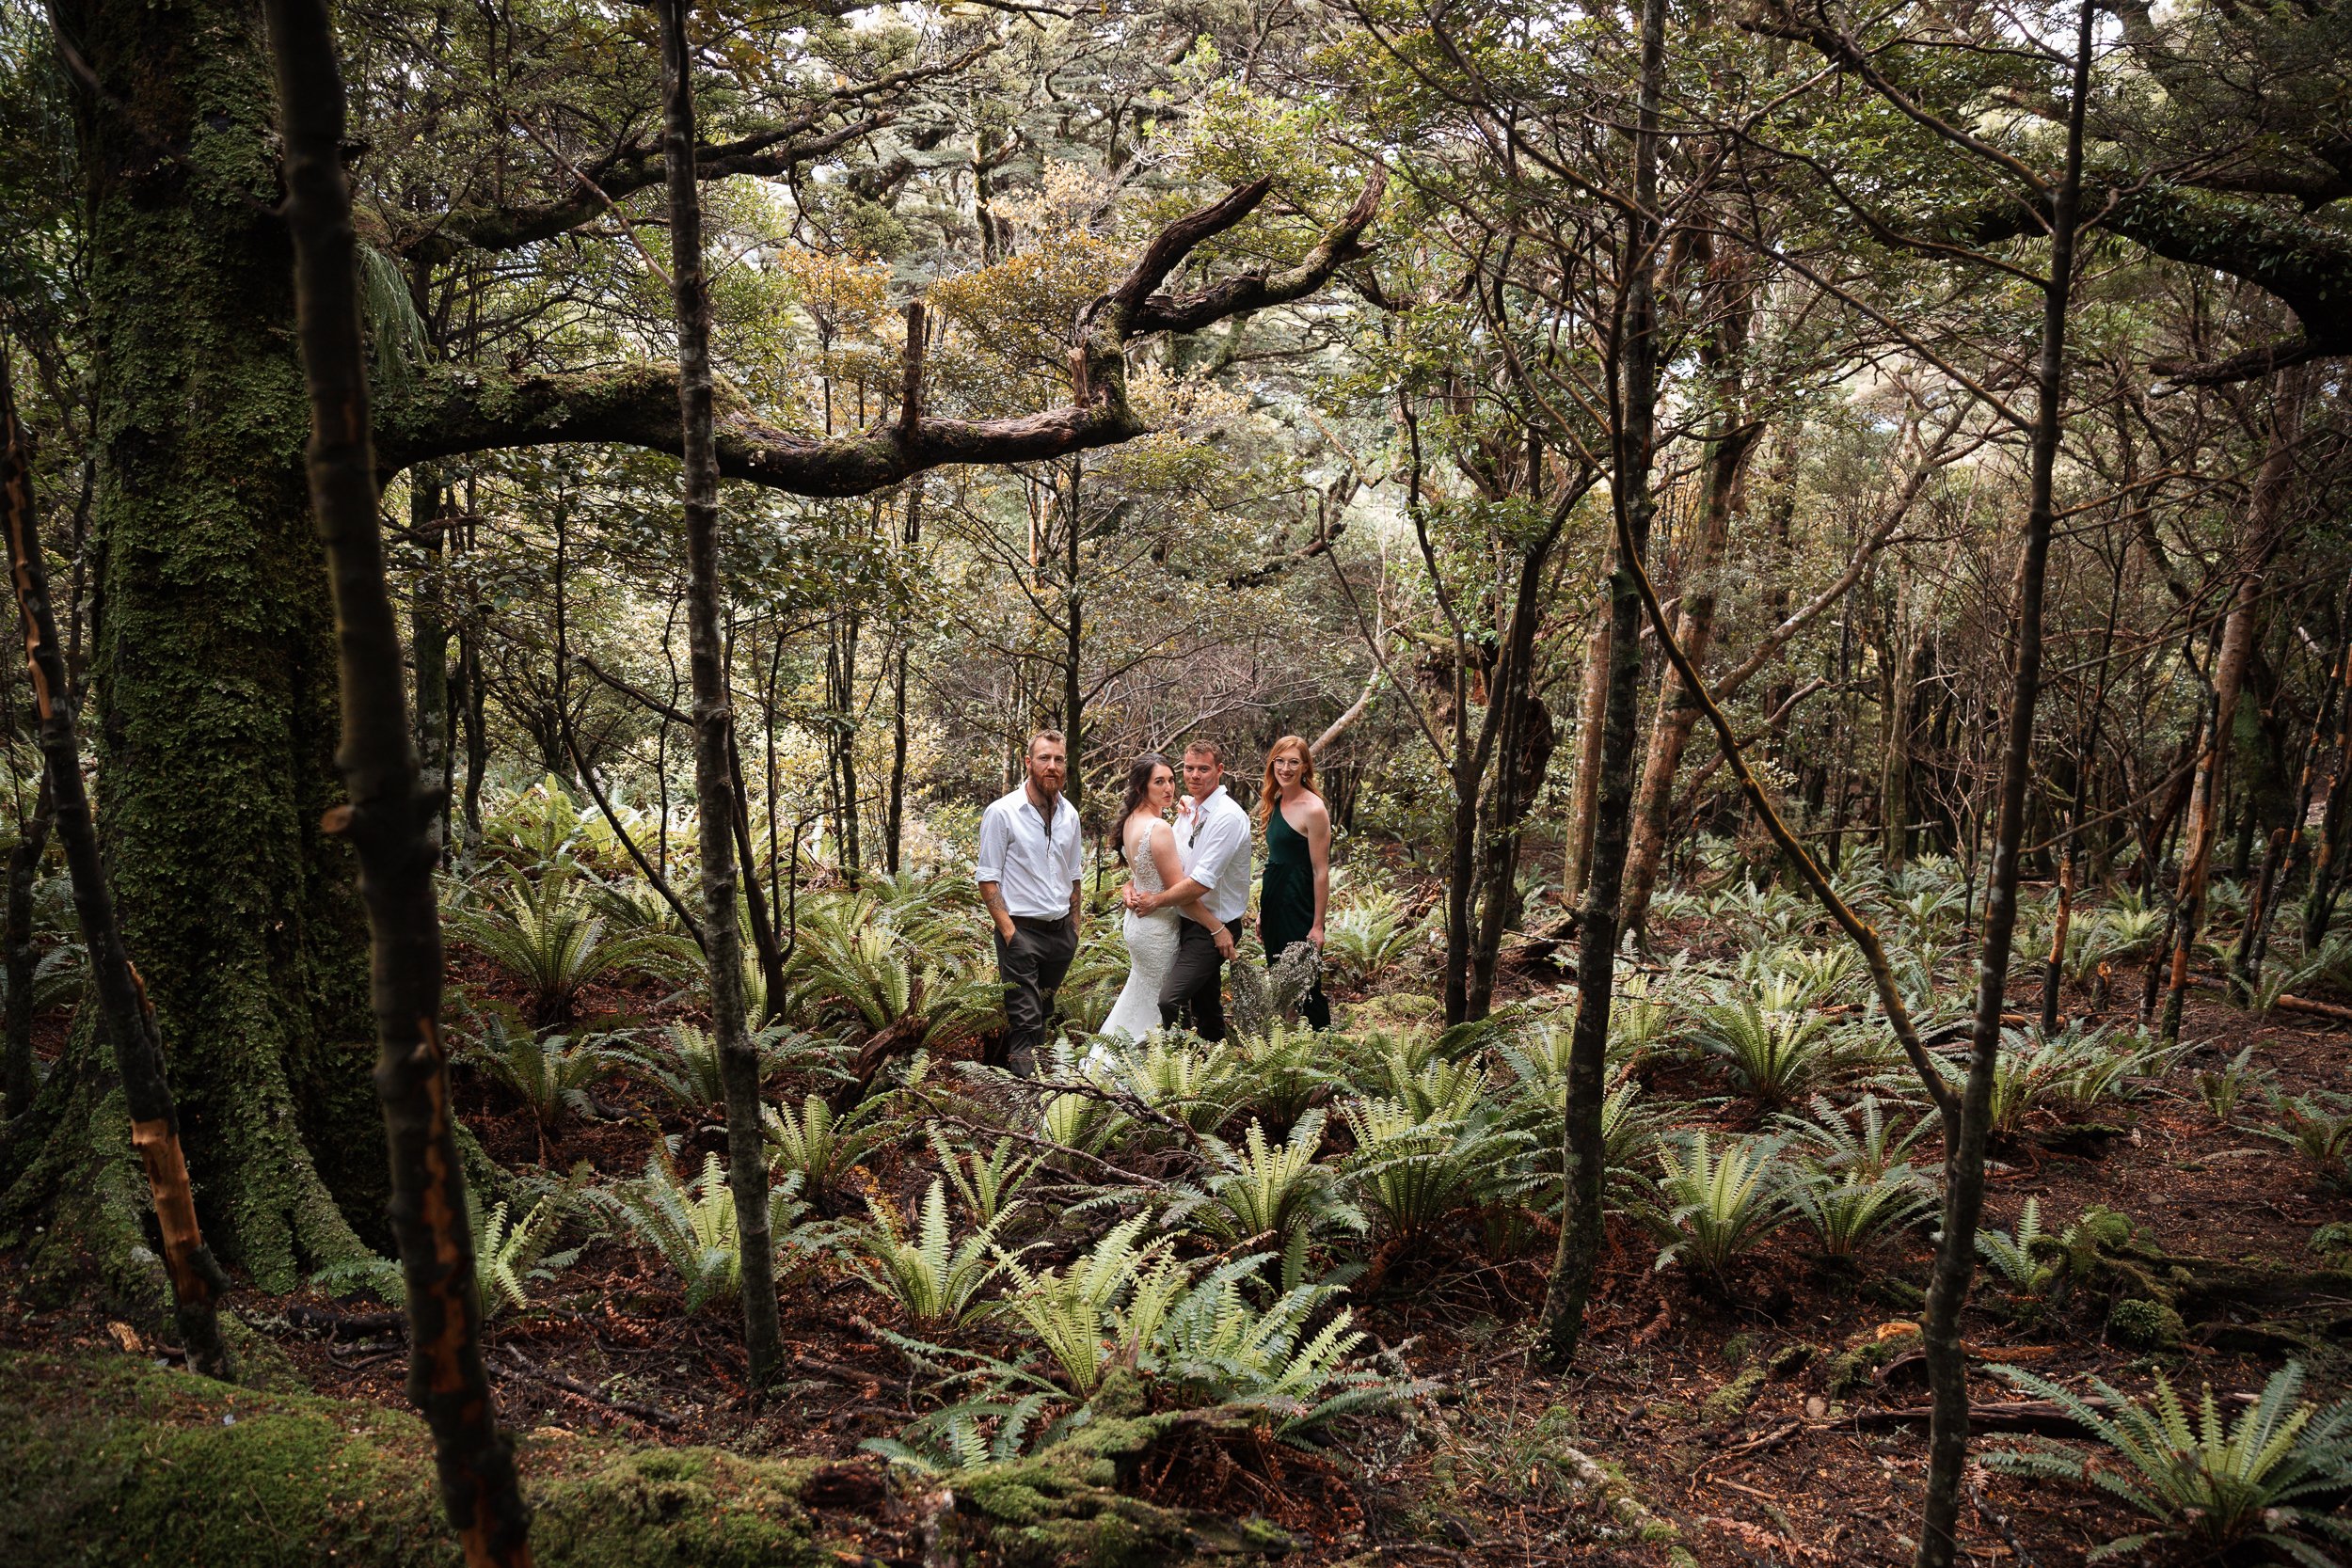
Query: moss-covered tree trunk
(213, 678)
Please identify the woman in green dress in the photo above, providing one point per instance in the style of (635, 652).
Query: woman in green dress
(1297, 893)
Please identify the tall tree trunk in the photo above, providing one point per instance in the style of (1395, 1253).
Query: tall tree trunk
(1634, 393)
(1964, 1136)
(196, 1279)
(715, 791)
(2086, 768)
(32, 840)
(1074, 648)
(2328, 854)
(1677, 710)
(2261, 535)
(1904, 667)
(428, 640)
(212, 671)
(845, 729)
(911, 537)
(1585, 793)
(1518, 764)
(388, 818)
(2335, 709)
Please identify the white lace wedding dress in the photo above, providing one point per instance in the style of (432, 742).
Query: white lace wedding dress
(1150, 949)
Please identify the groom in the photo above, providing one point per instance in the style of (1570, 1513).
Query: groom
(1212, 841)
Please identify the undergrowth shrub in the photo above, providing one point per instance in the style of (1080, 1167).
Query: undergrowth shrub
(2270, 1479)
(690, 1225)
(1714, 1200)
(916, 1263)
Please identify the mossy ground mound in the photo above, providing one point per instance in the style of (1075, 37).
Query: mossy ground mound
(113, 1460)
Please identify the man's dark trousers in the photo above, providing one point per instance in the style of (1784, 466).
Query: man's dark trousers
(1031, 966)
(1193, 995)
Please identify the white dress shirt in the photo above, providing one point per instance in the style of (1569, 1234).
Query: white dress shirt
(1212, 841)
(1031, 867)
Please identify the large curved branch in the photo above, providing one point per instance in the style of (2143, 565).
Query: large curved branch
(1258, 291)
(638, 164)
(462, 411)
(494, 228)
(449, 411)
(2306, 265)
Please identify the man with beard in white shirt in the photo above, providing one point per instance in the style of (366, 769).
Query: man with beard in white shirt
(1031, 870)
(1213, 835)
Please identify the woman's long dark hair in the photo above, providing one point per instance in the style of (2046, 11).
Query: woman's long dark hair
(1138, 789)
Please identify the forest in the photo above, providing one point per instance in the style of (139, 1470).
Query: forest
(663, 641)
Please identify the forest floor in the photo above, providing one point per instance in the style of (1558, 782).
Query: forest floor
(1751, 1417)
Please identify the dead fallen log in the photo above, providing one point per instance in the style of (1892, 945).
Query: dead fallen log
(516, 1365)
(2329, 1010)
(2047, 1417)
(345, 1325)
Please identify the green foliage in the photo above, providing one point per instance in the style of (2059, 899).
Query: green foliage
(1640, 1018)
(2117, 936)
(549, 933)
(1104, 1308)
(1215, 1347)
(2221, 1088)
(987, 1186)
(1769, 1040)
(509, 1258)
(938, 1284)
(819, 1146)
(690, 1225)
(2022, 1257)
(683, 1062)
(2318, 1127)
(1858, 1140)
(966, 1436)
(2064, 1074)
(1179, 1076)
(2209, 1487)
(1408, 1069)
(1416, 1171)
(1280, 1074)
(1366, 936)
(1709, 1204)
(868, 964)
(1848, 1210)
(548, 1073)
(1275, 1193)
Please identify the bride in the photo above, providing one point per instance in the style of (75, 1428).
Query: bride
(1147, 847)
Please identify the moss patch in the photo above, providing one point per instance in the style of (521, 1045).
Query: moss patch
(112, 1460)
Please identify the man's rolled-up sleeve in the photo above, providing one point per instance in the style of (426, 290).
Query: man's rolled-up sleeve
(994, 837)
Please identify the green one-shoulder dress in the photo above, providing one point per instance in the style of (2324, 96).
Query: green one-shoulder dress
(1286, 903)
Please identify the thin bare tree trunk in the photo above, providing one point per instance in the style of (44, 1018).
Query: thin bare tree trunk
(2054, 968)
(1585, 793)
(2262, 532)
(1633, 434)
(716, 782)
(895, 823)
(1677, 710)
(1964, 1136)
(1513, 699)
(32, 840)
(197, 1282)
(2335, 709)
(388, 818)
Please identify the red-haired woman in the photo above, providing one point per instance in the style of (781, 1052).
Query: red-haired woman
(1297, 893)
